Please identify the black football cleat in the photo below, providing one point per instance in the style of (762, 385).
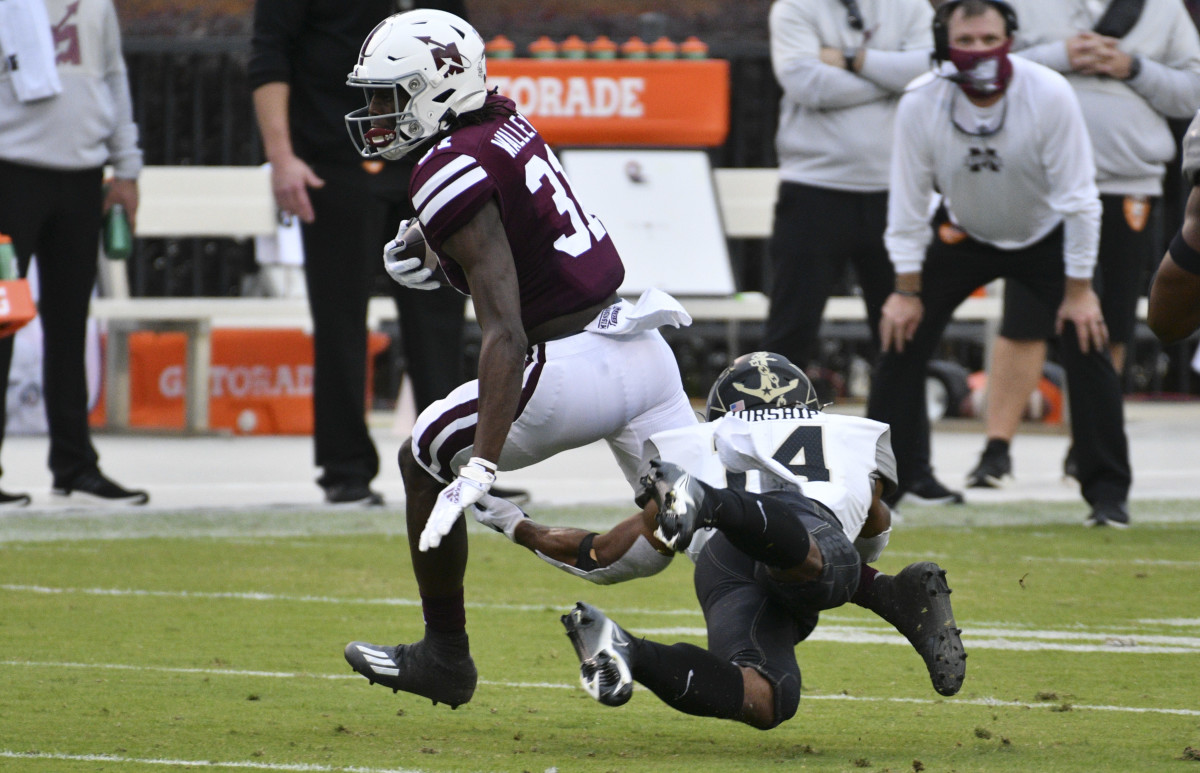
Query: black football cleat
(680, 500)
(605, 660)
(443, 675)
(917, 602)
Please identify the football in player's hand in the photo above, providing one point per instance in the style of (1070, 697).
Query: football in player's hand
(415, 246)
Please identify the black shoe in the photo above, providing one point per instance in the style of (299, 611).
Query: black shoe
(930, 491)
(605, 659)
(680, 500)
(352, 494)
(94, 485)
(1114, 514)
(993, 471)
(14, 500)
(518, 496)
(443, 673)
(917, 602)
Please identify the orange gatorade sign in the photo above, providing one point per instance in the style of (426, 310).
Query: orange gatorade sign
(16, 306)
(589, 102)
(260, 381)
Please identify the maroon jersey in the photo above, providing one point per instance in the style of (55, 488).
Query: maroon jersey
(564, 258)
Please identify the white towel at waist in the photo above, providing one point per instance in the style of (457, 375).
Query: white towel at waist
(28, 49)
(653, 309)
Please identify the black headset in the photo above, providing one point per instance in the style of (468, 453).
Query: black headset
(941, 33)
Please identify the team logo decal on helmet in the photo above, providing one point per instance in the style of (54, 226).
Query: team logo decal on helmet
(769, 388)
(446, 59)
(760, 380)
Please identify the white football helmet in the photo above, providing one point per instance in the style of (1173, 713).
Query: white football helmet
(418, 69)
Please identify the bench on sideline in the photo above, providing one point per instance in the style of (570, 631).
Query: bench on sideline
(236, 202)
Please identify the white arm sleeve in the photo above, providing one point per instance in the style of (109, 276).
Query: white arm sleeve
(871, 548)
(641, 560)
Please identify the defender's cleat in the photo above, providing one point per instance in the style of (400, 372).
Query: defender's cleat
(444, 675)
(605, 659)
(993, 471)
(917, 602)
(680, 500)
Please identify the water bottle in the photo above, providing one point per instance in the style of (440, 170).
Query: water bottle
(8, 258)
(118, 240)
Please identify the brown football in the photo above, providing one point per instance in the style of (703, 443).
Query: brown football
(415, 246)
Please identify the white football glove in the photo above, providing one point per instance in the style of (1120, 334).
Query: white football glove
(499, 514)
(473, 481)
(408, 271)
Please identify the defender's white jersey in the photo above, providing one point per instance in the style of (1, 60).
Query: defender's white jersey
(831, 458)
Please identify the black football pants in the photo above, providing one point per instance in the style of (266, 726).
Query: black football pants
(55, 214)
(950, 274)
(817, 233)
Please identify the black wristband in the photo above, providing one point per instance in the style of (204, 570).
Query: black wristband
(1183, 254)
(584, 560)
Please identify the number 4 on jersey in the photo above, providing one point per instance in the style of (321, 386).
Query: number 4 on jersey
(803, 453)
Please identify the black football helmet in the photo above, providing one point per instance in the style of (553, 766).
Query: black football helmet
(757, 380)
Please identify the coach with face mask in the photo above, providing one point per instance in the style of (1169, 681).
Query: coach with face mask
(1004, 143)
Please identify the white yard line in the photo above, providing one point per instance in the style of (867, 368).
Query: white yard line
(249, 674)
(982, 635)
(1010, 640)
(282, 766)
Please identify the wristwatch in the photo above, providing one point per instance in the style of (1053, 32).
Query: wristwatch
(1135, 67)
(850, 53)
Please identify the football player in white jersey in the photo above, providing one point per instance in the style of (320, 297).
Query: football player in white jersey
(779, 505)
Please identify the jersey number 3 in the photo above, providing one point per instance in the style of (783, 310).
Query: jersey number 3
(538, 172)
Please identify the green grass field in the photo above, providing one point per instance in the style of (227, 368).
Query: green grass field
(142, 641)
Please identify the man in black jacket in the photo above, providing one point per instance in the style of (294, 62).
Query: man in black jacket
(301, 54)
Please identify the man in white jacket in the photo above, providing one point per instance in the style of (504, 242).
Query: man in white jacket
(65, 112)
(1132, 65)
(1004, 142)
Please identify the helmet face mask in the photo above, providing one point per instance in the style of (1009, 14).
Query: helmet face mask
(760, 380)
(418, 70)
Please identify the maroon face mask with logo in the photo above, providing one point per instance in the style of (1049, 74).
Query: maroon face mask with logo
(983, 73)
